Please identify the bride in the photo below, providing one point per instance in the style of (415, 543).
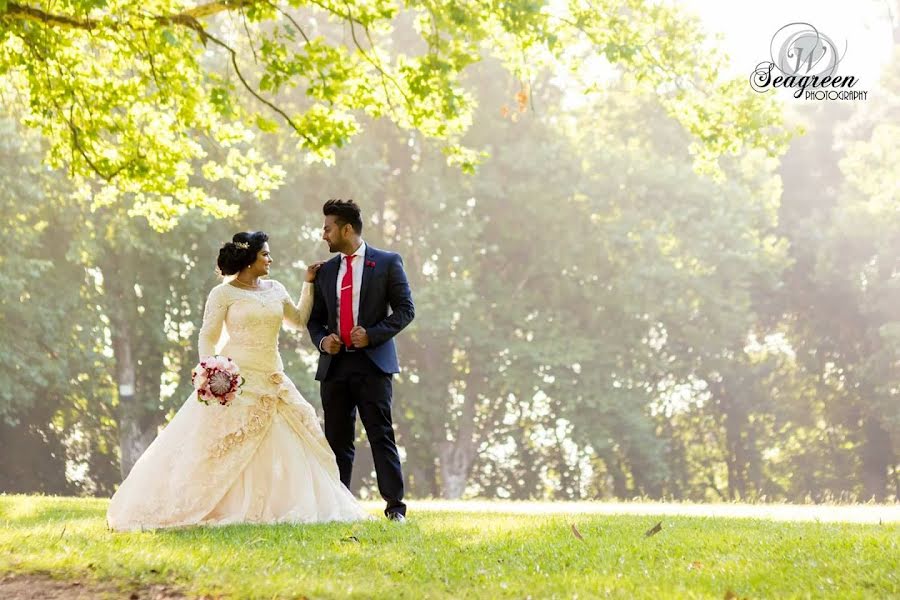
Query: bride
(261, 459)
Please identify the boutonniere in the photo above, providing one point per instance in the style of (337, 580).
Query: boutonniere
(370, 263)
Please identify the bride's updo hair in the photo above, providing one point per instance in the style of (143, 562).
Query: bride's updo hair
(241, 251)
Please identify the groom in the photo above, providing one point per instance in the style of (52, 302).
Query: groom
(362, 300)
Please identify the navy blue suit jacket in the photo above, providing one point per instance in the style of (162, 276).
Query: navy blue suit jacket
(384, 285)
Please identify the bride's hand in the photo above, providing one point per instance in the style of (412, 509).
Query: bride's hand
(312, 269)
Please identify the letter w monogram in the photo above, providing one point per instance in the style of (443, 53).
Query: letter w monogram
(809, 60)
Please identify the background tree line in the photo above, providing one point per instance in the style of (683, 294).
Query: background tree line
(596, 318)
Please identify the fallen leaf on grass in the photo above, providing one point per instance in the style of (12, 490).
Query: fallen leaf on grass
(654, 530)
(696, 565)
(576, 532)
(730, 595)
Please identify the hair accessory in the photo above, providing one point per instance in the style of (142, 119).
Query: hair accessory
(242, 245)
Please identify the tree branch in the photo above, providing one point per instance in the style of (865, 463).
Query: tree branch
(384, 74)
(187, 18)
(247, 86)
(287, 15)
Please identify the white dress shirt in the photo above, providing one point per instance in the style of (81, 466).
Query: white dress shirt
(359, 259)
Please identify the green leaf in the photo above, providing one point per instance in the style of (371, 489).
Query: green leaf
(266, 125)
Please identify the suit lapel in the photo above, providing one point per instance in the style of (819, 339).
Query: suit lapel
(329, 281)
(368, 259)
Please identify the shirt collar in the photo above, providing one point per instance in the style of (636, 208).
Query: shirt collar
(361, 251)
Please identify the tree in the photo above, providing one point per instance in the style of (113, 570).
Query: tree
(54, 385)
(127, 94)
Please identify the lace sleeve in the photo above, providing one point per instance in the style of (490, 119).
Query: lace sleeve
(213, 320)
(296, 315)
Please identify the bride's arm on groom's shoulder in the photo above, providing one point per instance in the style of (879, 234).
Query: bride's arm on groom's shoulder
(399, 296)
(297, 315)
(213, 320)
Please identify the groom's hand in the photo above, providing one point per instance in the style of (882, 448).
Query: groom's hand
(331, 344)
(359, 337)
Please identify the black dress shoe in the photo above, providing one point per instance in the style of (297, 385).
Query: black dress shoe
(398, 517)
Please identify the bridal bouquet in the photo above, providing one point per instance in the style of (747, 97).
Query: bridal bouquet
(216, 378)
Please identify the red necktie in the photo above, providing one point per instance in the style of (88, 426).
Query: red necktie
(347, 303)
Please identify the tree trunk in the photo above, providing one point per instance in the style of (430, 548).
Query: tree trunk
(616, 472)
(456, 457)
(137, 367)
(735, 421)
(455, 465)
(877, 459)
(136, 431)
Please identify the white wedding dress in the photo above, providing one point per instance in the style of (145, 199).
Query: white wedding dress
(262, 459)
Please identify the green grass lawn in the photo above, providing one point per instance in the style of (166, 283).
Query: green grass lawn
(459, 555)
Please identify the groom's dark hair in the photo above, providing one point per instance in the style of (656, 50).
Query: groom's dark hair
(344, 212)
